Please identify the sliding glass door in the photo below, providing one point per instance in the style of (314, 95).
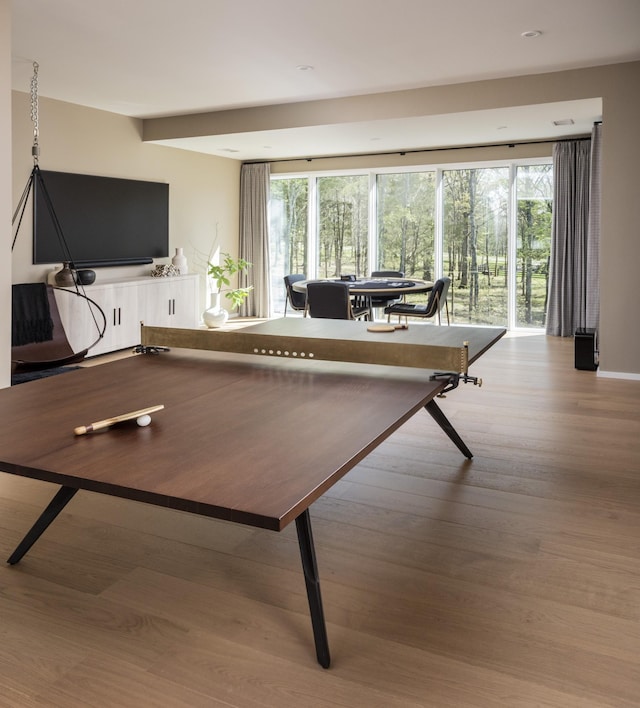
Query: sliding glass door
(534, 200)
(343, 225)
(406, 223)
(475, 244)
(487, 227)
(288, 234)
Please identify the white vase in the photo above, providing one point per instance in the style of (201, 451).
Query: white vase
(180, 261)
(215, 315)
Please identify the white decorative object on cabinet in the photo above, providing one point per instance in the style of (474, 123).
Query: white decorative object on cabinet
(180, 261)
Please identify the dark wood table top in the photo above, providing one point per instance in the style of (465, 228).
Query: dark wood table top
(245, 438)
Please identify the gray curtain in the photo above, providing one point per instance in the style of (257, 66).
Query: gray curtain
(254, 237)
(566, 310)
(592, 318)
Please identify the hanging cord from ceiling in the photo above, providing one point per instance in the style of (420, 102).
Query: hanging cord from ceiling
(35, 148)
(36, 177)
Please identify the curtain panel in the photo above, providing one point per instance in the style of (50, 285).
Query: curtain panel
(592, 314)
(568, 285)
(254, 237)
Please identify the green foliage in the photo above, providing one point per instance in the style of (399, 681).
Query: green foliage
(221, 275)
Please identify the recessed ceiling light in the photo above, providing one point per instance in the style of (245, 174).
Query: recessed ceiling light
(529, 34)
(563, 121)
(304, 67)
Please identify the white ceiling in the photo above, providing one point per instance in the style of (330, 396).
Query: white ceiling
(150, 58)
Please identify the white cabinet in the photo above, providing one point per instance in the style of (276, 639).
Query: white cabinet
(170, 302)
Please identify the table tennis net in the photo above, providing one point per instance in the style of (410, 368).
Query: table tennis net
(366, 348)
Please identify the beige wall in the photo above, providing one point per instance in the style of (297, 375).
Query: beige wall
(5, 191)
(203, 191)
(620, 244)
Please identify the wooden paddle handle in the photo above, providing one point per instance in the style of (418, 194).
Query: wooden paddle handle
(108, 422)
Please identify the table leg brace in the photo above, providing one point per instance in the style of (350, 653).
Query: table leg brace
(56, 505)
(441, 419)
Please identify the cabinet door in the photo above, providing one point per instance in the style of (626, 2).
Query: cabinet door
(185, 301)
(170, 302)
(80, 318)
(156, 302)
(120, 305)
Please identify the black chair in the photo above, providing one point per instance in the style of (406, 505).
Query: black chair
(298, 301)
(437, 300)
(332, 301)
(379, 300)
(387, 274)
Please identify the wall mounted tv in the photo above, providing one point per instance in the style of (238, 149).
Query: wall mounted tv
(105, 221)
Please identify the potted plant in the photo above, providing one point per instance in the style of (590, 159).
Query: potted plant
(220, 279)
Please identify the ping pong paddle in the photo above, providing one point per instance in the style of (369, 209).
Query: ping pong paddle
(386, 327)
(108, 422)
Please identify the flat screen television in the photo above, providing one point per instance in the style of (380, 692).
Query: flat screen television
(105, 221)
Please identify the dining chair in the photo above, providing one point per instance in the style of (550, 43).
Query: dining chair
(436, 301)
(332, 301)
(387, 274)
(384, 301)
(298, 301)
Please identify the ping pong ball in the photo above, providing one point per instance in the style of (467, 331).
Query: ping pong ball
(143, 420)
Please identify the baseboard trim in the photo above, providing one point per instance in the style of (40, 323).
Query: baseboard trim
(618, 375)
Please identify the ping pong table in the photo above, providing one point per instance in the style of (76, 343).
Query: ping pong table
(298, 403)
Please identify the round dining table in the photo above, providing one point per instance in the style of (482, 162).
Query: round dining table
(369, 288)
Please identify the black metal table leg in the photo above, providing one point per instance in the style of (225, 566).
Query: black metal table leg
(312, 582)
(56, 505)
(440, 418)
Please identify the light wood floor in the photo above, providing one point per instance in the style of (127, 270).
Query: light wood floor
(510, 580)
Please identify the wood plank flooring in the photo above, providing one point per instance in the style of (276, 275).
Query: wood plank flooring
(509, 580)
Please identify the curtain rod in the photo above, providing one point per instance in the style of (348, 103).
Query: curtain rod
(419, 150)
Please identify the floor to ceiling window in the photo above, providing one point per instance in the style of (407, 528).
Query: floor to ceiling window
(474, 243)
(343, 225)
(288, 233)
(534, 196)
(487, 227)
(406, 222)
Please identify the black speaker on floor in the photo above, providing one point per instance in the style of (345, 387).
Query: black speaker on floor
(586, 355)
